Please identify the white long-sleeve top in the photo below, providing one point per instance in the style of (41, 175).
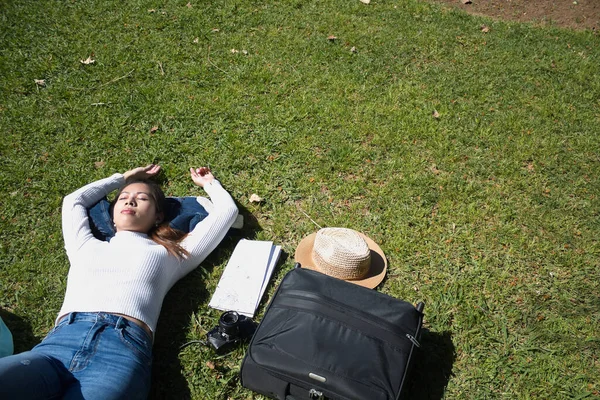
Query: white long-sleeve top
(131, 274)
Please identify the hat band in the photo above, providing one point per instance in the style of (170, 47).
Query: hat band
(356, 271)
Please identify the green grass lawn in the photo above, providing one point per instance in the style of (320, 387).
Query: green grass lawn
(471, 157)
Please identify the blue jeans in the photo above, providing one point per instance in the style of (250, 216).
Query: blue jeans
(85, 356)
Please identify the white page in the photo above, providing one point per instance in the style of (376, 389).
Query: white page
(276, 250)
(243, 280)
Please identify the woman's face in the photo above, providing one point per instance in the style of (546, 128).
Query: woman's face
(135, 209)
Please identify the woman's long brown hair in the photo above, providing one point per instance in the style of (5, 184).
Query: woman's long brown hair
(161, 234)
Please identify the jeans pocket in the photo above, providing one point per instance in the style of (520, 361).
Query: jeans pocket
(136, 341)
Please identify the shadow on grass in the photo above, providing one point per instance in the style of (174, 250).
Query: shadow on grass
(23, 337)
(432, 367)
(184, 299)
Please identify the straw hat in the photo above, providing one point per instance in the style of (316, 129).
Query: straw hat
(344, 254)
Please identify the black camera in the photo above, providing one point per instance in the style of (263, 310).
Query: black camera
(232, 329)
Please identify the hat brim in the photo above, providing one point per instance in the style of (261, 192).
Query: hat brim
(377, 269)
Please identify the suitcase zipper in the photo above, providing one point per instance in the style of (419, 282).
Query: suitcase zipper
(413, 339)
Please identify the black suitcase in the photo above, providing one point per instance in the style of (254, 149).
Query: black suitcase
(324, 338)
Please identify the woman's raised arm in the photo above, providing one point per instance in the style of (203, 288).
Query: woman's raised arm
(209, 232)
(75, 222)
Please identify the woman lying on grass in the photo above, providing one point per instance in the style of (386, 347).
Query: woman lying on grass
(101, 345)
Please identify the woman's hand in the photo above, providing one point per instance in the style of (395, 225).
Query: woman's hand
(201, 176)
(142, 172)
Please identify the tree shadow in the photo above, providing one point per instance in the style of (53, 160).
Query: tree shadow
(22, 333)
(184, 299)
(432, 367)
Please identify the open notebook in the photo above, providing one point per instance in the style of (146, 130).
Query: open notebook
(245, 277)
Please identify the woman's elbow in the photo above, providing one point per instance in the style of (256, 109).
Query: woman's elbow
(68, 201)
(232, 213)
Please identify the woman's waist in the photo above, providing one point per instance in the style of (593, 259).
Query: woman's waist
(105, 317)
(143, 306)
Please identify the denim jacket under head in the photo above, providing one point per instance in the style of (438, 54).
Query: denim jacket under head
(182, 212)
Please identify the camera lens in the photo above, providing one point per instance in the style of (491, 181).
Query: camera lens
(229, 324)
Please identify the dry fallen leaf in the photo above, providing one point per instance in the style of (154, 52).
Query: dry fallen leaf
(540, 317)
(99, 164)
(87, 61)
(189, 5)
(40, 82)
(331, 38)
(530, 167)
(153, 129)
(435, 114)
(215, 29)
(484, 28)
(210, 364)
(254, 198)
(196, 40)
